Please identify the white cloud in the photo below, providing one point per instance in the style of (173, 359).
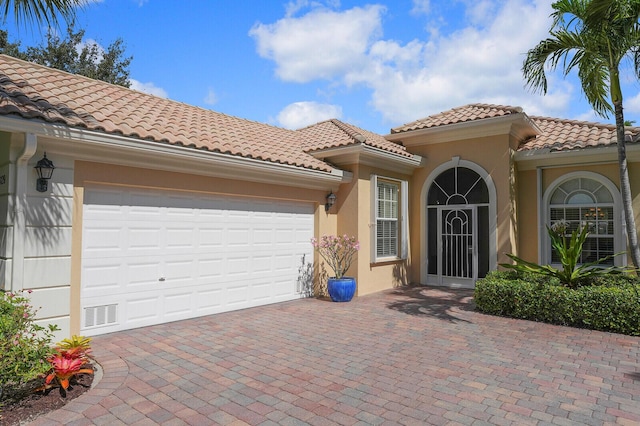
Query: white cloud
(322, 44)
(302, 114)
(421, 7)
(632, 105)
(211, 98)
(90, 43)
(295, 6)
(148, 88)
(480, 62)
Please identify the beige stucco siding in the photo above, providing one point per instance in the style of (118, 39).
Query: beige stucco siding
(493, 154)
(378, 276)
(353, 211)
(527, 226)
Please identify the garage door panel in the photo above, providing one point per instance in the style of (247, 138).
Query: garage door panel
(210, 268)
(210, 238)
(180, 237)
(102, 242)
(143, 238)
(209, 302)
(176, 271)
(238, 236)
(178, 304)
(152, 256)
(103, 278)
(141, 311)
(237, 266)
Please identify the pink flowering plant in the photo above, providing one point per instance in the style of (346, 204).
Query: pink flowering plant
(337, 251)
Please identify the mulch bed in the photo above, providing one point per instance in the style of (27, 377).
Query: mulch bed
(38, 403)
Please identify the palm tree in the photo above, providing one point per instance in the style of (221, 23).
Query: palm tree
(40, 11)
(594, 36)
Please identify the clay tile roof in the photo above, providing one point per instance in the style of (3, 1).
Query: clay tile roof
(36, 92)
(555, 134)
(563, 135)
(471, 112)
(334, 133)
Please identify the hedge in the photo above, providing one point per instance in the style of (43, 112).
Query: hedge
(605, 304)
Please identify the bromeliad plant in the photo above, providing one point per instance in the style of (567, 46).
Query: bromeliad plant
(569, 250)
(71, 358)
(337, 251)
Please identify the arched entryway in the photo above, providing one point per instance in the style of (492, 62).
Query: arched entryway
(460, 222)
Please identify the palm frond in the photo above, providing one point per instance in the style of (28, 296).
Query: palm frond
(41, 11)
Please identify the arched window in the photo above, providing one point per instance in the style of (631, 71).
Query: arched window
(586, 201)
(458, 185)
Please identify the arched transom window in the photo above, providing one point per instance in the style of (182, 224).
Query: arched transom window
(584, 202)
(458, 185)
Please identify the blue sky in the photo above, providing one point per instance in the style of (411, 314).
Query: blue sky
(373, 64)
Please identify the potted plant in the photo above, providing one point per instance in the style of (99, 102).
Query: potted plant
(338, 252)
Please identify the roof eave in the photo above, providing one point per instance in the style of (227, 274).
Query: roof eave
(544, 157)
(94, 146)
(371, 156)
(519, 125)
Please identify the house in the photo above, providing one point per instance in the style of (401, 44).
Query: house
(158, 211)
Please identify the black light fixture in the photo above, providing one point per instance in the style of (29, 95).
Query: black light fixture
(331, 200)
(44, 168)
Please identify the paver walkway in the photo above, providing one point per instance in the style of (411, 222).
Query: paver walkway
(409, 356)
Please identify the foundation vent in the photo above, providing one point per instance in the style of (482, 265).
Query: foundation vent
(95, 316)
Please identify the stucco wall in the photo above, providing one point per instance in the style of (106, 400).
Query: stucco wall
(352, 213)
(493, 154)
(527, 227)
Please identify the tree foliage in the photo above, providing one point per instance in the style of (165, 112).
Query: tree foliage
(593, 37)
(73, 55)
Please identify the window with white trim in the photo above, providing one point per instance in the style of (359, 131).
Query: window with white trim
(389, 219)
(581, 202)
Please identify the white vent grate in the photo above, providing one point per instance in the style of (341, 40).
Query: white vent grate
(96, 316)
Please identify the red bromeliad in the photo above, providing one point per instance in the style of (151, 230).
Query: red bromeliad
(66, 363)
(70, 359)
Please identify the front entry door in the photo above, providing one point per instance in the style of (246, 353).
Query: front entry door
(458, 247)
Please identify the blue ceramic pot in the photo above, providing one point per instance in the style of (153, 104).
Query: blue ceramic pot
(341, 289)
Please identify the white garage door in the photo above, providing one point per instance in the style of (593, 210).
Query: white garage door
(153, 257)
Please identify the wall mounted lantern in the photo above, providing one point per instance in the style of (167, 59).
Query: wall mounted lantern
(44, 168)
(331, 200)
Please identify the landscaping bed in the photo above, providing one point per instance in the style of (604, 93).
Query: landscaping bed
(29, 406)
(605, 303)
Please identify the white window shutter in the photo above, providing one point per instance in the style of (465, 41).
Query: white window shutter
(372, 225)
(404, 219)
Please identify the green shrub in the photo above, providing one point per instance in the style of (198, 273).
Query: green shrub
(24, 345)
(605, 303)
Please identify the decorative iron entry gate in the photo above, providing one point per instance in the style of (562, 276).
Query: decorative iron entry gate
(457, 236)
(457, 228)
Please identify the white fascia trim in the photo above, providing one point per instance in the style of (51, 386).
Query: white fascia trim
(106, 148)
(369, 156)
(469, 129)
(529, 160)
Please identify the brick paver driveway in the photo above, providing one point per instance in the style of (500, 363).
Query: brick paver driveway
(410, 356)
